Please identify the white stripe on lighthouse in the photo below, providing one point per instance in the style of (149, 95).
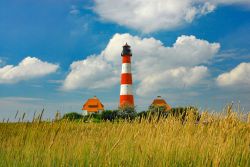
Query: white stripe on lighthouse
(126, 89)
(126, 68)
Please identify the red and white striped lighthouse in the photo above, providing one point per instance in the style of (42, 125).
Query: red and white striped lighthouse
(126, 93)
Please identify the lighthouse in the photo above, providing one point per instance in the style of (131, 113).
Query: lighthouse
(126, 93)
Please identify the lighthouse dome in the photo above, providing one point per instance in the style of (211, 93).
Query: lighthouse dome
(126, 50)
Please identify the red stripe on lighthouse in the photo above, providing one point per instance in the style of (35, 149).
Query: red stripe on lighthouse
(126, 59)
(126, 78)
(126, 100)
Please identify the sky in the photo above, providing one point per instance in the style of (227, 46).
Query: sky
(57, 54)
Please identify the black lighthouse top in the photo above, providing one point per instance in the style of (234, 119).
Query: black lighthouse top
(126, 50)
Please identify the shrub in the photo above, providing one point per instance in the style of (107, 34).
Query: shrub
(122, 113)
(127, 112)
(185, 113)
(154, 108)
(72, 116)
(110, 115)
(182, 113)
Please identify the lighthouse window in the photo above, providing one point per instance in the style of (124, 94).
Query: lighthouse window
(126, 51)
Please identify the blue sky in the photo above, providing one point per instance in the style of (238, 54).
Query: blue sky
(55, 34)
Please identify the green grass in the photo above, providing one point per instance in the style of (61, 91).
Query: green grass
(214, 141)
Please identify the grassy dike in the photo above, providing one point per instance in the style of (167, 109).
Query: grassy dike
(216, 140)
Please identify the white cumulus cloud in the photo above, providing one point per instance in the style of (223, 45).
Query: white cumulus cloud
(152, 63)
(93, 72)
(149, 16)
(28, 68)
(239, 76)
(177, 77)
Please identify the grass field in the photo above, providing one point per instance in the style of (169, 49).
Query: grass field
(216, 140)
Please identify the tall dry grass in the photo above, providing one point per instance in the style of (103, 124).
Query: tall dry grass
(216, 140)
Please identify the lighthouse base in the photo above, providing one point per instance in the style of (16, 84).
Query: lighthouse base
(126, 100)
